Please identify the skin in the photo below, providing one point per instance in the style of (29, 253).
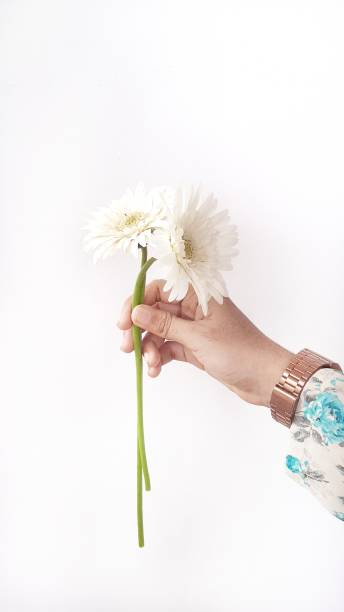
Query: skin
(225, 343)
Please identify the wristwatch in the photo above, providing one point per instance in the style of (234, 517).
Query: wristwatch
(287, 391)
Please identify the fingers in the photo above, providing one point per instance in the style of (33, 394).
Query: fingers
(156, 357)
(170, 351)
(165, 325)
(124, 321)
(150, 350)
(127, 344)
(151, 354)
(154, 293)
(156, 352)
(169, 307)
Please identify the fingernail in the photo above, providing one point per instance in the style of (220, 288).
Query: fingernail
(141, 315)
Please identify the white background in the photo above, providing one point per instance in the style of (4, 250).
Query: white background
(247, 98)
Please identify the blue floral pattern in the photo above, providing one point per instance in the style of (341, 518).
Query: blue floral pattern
(303, 469)
(326, 414)
(316, 454)
(293, 464)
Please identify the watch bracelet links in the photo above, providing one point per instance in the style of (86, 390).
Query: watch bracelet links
(287, 391)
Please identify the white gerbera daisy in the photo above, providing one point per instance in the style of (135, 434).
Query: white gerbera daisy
(198, 243)
(126, 223)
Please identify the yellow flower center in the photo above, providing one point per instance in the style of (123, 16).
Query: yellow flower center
(188, 248)
(130, 219)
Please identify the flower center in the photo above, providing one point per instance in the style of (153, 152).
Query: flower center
(188, 248)
(130, 219)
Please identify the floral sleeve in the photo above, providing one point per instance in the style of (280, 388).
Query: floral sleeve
(316, 457)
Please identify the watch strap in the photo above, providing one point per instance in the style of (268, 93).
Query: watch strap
(287, 391)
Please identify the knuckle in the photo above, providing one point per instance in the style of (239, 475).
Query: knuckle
(164, 321)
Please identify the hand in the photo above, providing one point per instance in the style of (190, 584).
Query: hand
(225, 343)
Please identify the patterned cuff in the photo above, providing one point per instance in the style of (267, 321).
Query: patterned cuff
(316, 454)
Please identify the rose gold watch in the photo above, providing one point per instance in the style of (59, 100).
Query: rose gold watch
(286, 393)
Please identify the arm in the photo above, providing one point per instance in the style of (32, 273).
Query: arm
(230, 348)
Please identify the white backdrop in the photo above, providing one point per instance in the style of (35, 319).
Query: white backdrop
(248, 98)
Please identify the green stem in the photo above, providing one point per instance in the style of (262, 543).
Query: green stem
(143, 261)
(140, 529)
(140, 532)
(138, 297)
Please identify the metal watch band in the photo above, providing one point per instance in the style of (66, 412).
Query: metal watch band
(286, 392)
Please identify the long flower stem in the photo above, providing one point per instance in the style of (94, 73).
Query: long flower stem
(140, 531)
(138, 297)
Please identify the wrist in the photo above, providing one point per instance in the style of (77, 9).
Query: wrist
(264, 366)
(270, 371)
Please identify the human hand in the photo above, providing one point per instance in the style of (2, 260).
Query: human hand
(225, 343)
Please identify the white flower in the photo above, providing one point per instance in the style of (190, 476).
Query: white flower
(197, 245)
(126, 223)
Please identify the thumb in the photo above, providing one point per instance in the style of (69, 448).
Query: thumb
(164, 324)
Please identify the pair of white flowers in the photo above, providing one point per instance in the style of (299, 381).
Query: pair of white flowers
(190, 240)
(191, 243)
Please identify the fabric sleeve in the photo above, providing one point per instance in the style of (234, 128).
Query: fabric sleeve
(316, 450)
